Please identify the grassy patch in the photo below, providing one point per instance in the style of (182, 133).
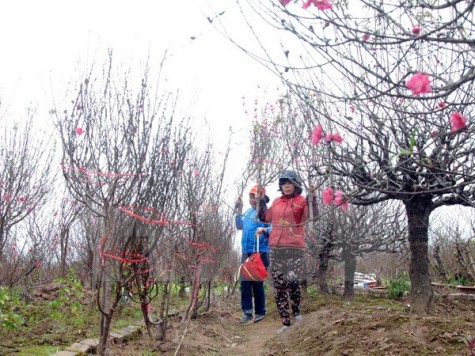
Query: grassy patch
(38, 350)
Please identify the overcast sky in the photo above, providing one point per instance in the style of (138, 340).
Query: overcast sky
(46, 43)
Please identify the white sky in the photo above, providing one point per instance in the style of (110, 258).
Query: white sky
(44, 41)
(45, 44)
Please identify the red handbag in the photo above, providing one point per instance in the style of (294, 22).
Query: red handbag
(253, 269)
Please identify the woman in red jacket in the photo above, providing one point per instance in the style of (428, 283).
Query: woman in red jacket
(288, 215)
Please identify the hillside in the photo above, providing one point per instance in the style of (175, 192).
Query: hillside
(368, 326)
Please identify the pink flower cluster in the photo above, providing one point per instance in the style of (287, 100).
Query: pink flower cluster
(319, 4)
(338, 198)
(334, 137)
(457, 122)
(419, 84)
(416, 30)
(79, 131)
(317, 135)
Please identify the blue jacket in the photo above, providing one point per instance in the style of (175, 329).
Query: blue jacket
(248, 223)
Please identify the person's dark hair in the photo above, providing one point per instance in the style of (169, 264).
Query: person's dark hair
(292, 177)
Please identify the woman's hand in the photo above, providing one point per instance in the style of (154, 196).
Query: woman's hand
(238, 206)
(260, 230)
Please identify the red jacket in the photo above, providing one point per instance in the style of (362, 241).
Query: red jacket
(288, 216)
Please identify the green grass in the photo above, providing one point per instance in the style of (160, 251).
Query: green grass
(38, 350)
(49, 326)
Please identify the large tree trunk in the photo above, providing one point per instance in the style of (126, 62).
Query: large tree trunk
(418, 210)
(350, 268)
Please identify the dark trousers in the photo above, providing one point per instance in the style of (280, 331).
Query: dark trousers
(253, 290)
(286, 274)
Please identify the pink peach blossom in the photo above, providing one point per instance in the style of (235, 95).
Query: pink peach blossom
(344, 206)
(416, 30)
(419, 84)
(79, 130)
(317, 134)
(339, 198)
(441, 104)
(327, 196)
(336, 137)
(457, 121)
(319, 4)
(366, 37)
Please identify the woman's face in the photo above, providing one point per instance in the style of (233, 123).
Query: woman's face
(288, 188)
(252, 200)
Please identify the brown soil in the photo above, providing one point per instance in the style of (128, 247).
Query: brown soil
(367, 326)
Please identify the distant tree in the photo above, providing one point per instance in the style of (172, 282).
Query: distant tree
(267, 156)
(87, 234)
(360, 231)
(207, 240)
(26, 176)
(453, 249)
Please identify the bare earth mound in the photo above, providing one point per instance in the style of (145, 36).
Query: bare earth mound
(368, 326)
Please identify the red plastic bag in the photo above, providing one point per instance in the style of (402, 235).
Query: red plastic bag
(253, 268)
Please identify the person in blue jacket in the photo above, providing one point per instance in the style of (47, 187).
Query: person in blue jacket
(248, 223)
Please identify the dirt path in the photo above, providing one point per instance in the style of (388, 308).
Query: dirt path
(251, 339)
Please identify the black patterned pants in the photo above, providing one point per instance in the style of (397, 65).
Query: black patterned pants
(286, 270)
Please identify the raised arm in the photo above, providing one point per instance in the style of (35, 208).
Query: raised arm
(238, 212)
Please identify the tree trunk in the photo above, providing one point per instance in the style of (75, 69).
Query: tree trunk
(350, 268)
(207, 295)
(464, 259)
(439, 265)
(182, 287)
(323, 262)
(165, 303)
(418, 211)
(192, 309)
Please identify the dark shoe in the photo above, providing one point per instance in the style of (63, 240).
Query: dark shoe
(246, 319)
(259, 317)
